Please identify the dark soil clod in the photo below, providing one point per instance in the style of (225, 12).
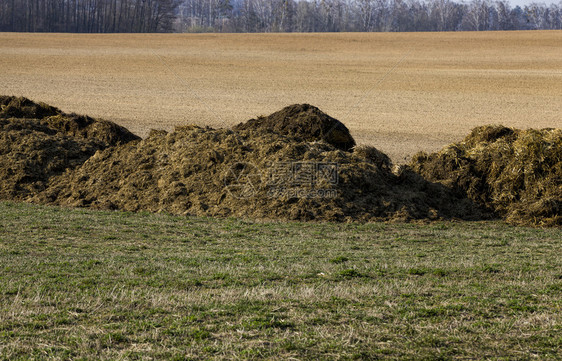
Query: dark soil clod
(306, 122)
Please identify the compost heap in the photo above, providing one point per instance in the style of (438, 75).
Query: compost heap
(39, 142)
(515, 173)
(296, 164)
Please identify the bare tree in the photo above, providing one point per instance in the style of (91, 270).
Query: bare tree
(273, 15)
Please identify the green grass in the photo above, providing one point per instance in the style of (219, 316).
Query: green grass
(83, 284)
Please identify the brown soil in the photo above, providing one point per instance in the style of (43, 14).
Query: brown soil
(398, 92)
(285, 166)
(515, 173)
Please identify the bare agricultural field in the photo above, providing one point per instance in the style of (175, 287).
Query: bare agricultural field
(401, 92)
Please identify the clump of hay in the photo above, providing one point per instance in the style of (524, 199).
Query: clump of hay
(515, 173)
(374, 155)
(20, 107)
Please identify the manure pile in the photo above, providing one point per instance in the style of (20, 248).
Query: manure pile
(38, 142)
(515, 173)
(296, 164)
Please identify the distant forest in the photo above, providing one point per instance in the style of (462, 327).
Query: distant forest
(116, 16)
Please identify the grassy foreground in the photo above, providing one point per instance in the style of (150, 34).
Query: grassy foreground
(82, 284)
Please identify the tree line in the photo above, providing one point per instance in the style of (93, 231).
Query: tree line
(110, 16)
(363, 15)
(88, 16)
